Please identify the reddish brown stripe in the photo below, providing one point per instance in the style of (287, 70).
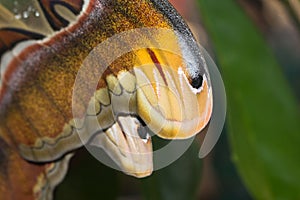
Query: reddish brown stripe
(157, 64)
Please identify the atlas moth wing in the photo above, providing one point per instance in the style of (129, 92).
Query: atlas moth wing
(31, 19)
(42, 17)
(38, 78)
(20, 179)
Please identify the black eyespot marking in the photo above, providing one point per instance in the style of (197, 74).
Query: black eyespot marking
(197, 82)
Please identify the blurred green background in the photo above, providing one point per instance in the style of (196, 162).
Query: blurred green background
(256, 45)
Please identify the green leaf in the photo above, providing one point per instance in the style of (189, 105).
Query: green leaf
(263, 115)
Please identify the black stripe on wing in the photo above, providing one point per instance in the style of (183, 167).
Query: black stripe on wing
(9, 37)
(55, 20)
